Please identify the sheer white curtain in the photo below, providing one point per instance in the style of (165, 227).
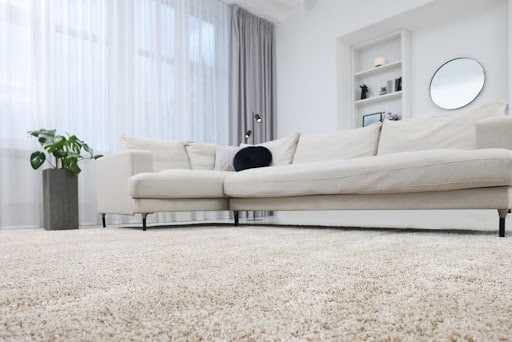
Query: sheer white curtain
(97, 69)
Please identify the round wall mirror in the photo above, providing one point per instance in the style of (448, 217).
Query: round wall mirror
(457, 83)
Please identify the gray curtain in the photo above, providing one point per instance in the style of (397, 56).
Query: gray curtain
(252, 86)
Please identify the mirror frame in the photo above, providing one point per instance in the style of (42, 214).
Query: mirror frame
(473, 99)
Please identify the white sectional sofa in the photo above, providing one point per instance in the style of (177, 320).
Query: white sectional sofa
(460, 160)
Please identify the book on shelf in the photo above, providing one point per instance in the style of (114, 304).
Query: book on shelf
(390, 85)
(394, 85)
(398, 84)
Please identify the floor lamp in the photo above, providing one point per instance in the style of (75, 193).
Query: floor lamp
(247, 135)
(256, 118)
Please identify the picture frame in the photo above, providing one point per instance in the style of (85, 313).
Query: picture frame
(372, 118)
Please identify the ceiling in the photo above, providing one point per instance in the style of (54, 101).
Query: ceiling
(273, 10)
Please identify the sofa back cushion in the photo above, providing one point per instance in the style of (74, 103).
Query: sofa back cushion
(166, 154)
(224, 157)
(201, 156)
(359, 142)
(282, 149)
(456, 130)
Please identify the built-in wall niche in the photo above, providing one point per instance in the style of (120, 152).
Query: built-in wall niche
(392, 50)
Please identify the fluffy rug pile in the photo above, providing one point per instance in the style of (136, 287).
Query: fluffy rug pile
(254, 283)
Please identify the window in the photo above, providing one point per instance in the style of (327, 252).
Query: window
(101, 68)
(158, 68)
(179, 44)
(77, 50)
(17, 80)
(155, 71)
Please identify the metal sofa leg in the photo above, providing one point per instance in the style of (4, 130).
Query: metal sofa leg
(236, 216)
(144, 215)
(104, 223)
(503, 216)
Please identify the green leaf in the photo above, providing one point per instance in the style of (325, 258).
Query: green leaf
(97, 156)
(42, 131)
(87, 149)
(73, 139)
(74, 168)
(50, 132)
(47, 135)
(58, 144)
(75, 143)
(59, 139)
(37, 159)
(74, 155)
(59, 154)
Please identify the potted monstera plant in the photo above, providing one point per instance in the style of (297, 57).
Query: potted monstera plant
(60, 182)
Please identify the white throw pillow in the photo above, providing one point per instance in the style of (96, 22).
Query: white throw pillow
(200, 156)
(282, 149)
(353, 143)
(224, 156)
(456, 130)
(166, 154)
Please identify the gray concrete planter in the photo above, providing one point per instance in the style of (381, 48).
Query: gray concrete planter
(60, 199)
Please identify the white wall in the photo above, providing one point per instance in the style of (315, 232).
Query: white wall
(480, 34)
(307, 98)
(306, 58)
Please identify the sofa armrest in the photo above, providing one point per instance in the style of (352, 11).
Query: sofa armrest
(494, 133)
(112, 176)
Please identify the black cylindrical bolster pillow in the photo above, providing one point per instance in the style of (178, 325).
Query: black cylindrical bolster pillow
(251, 157)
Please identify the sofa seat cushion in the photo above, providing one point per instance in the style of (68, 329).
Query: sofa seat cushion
(178, 184)
(429, 170)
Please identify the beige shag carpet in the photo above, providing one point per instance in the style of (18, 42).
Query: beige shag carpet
(254, 283)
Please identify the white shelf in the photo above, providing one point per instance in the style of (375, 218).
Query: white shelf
(355, 58)
(379, 98)
(377, 40)
(376, 70)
